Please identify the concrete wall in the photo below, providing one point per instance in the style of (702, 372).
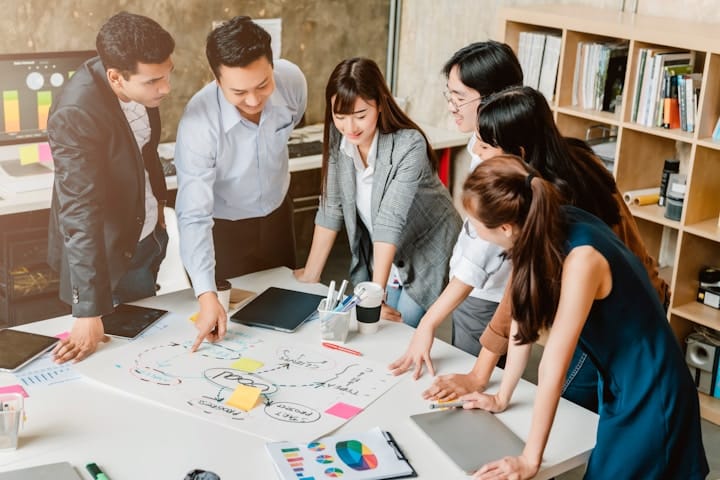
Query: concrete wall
(317, 34)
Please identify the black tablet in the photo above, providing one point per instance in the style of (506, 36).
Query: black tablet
(19, 348)
(129, 321)
(279, 309)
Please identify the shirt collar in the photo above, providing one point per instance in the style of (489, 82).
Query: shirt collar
(231, 115)
(352, 151)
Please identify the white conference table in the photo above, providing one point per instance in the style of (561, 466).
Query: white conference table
(83, 421)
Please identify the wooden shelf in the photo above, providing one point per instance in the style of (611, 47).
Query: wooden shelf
(655, 214)
(688, 244)
(698, 313)
(708, 229)
(595, 115)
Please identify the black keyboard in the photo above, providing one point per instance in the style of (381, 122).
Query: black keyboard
(304, 149)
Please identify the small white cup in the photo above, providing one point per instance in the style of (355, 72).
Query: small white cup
(368, 310)
(11, 416)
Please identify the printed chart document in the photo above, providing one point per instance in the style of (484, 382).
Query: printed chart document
(363, 456)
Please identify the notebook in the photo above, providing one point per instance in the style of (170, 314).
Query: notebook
(129, 321)
(279, 309)
(363, 456)
(471, 438)
(18, 348)
(52, 471)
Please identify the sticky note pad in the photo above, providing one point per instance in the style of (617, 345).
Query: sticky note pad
(343, 410)
(244, 397)
(246, 364)
(14, 389)
(45, 155)
(63, 335)
(29, 154)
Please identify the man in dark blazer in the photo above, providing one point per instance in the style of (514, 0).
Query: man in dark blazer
(107, 235)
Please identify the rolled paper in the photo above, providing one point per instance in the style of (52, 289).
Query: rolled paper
(646, 199)
(631, 195)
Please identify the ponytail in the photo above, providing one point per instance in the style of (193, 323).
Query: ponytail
(505, 190)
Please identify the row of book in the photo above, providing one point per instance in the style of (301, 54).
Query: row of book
(539, 55)
(666, 89)
(599, 75)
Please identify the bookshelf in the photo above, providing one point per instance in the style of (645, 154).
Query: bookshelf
(693, 241)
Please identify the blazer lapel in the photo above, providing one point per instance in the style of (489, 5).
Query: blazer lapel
(381, 174)
(346, 174)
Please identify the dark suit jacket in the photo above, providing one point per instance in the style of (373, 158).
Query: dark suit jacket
(98, 200)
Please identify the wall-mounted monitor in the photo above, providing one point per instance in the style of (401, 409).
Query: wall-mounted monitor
(28, 84)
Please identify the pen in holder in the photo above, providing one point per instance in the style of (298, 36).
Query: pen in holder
(334, 324)
(11, 415)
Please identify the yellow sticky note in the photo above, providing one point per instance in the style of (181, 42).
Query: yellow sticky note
(29, 154)
(194, 316)
(246, 364)
(244, 397)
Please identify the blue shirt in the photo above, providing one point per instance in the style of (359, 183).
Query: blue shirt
(231, 168)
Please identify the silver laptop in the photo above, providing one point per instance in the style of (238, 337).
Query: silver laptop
(471, 438)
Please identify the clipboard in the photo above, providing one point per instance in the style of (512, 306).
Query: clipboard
(363, 456)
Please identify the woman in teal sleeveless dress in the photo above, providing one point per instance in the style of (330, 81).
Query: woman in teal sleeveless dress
(649, 425)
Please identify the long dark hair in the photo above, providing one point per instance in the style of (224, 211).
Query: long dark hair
(361, 77)
(506, 190)
(519, 121)
(486, 67)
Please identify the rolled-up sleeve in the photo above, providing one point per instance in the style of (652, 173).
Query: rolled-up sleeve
(496, 336)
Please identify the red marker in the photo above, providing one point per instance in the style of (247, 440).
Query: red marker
(341, 348)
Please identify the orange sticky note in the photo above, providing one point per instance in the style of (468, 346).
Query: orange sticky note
(246, 364)
(244, 397)
(194, 316)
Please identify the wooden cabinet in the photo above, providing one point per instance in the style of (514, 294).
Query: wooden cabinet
(694, 241)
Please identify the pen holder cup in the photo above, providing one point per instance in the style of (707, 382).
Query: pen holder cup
(11, 416)
(334, 326)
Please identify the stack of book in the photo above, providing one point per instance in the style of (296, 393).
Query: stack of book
(539, 55)
(666, 89)
(599, 75)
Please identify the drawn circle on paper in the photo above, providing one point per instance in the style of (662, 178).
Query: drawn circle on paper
(334, 472)
(152, 375)
(316, 446)
(231, 379)
(292, 412)
(323, 459)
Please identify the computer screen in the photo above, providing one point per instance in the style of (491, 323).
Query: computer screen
(28, 84)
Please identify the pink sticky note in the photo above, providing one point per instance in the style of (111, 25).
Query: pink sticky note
(45, 156)
(343, 410)
(63, 335)
(14, 389)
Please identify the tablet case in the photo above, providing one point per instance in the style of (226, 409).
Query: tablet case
(471, 438)
(18, 348)
(279, 309)
(129, 321)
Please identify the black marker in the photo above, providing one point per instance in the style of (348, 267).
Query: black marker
(95, 472)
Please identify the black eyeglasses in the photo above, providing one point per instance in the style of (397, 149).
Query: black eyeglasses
(453, 103)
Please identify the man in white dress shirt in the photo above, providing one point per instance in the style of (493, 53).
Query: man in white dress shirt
(234, 212)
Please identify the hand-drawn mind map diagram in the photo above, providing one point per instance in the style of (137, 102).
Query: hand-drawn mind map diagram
(306, 391)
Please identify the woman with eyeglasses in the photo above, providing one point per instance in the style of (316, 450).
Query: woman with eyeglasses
(379, 181)
(572, 273)
(518, 121)
(478, 269)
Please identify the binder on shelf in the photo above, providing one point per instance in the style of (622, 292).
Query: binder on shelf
(549, 67)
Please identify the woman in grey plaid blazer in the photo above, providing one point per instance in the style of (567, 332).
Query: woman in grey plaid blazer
(380, 182)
